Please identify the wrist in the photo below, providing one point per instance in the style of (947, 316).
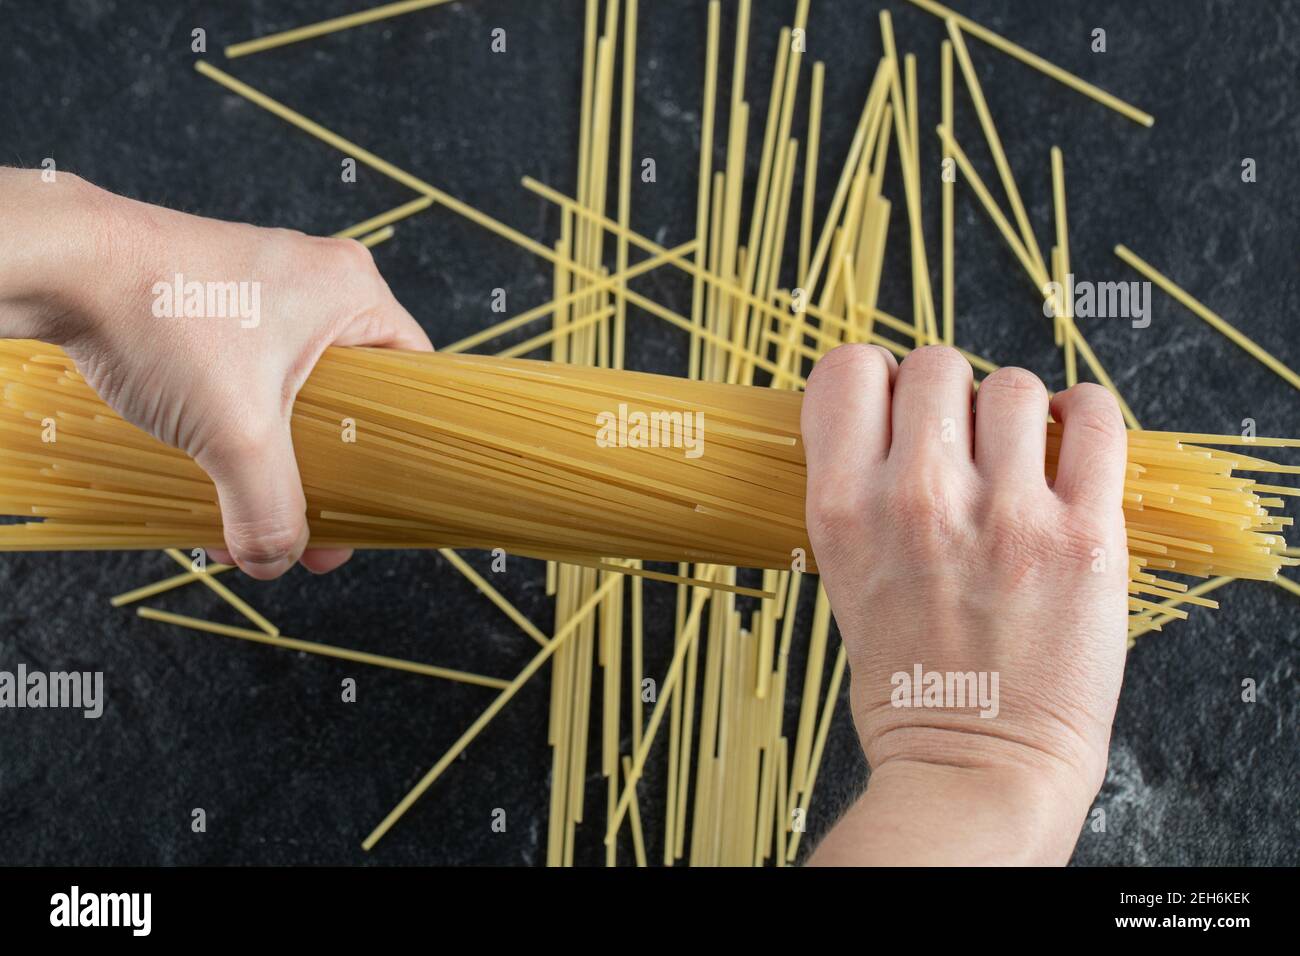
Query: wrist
(984, 815)
(57, 262)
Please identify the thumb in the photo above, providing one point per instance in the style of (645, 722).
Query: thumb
(261, 498)
(389, 326)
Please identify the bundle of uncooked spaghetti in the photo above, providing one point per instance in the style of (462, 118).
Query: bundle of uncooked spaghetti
(399, 450)
(403, 450)
(581, 463)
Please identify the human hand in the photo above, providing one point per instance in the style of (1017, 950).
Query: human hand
(101, 280)
(943, 547)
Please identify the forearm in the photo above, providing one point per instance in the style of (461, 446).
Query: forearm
(917, 814)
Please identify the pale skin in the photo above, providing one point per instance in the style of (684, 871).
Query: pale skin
(941, 543)
(77, 268)
(939, 540)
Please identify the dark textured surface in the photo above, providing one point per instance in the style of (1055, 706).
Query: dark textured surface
(259, 738)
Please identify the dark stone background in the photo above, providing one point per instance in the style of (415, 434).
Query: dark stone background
(258, 737)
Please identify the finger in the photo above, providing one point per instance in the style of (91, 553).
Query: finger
(325, 560)
(1011, 428)
(932, 408)
(219, 555)
(390, 326)
(1094, 447)
(845, 425)
(262, 504)
(845, 417)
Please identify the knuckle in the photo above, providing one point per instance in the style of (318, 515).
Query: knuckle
(1090, 391)
(262, 542)
(1101, 422)
(1014, 381)
(833, 512)
(354, 253)
(855, 357)
(936, 360)
(1096, 410)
